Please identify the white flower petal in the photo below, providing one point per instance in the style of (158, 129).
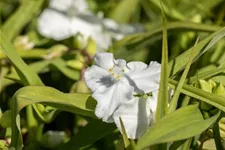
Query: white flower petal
(135, 115)
(53, 24)
(81, 6)
(96, 76)
(104, 60)
(103, 41)
(90, 27)
(87, 25)
(110, 24)
(121, 62)
(152, 102)
(130, 29)
(110, 98)
(144, 78)
(61, 5)
(77, 6)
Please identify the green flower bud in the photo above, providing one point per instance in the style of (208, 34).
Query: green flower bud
(3, 145)
(5, 120)
(79, 42)
(23, 43)
(79, 87)
(91, 47)
(207, 86)
(220, 90)
(77, 63)
(56, 51)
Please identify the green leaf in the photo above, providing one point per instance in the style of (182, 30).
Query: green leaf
(93, 131)
(217, 137)
(210, 98)
(5, 119)
(180, 124)
(174, 100)
(26, 11)
(163, 88)
(124, 134)
(27, 76)
(207, 74)
(76, 103)
(180, 62)
(62, 66)
(139, 40)
(126, 8)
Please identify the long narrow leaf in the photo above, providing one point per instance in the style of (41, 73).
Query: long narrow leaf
(76, 103)
(27, 10)
(180, 62)
(174, 100)
(210, 98)
(163, 88)
(28, 76)
(181, 124)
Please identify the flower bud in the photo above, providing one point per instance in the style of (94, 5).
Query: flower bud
(91, 47)
(79, 87)
(77, 63)
(56, 51)
(23, 43)
(79, 42)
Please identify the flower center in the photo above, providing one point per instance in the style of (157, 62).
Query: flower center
(117, 72)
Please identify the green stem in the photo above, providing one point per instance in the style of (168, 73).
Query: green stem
(216, 133)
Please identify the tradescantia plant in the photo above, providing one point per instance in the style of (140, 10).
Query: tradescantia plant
(111, 87)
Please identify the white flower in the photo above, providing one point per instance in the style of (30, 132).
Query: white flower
(66, 18)
(114, 83)
(136, 114)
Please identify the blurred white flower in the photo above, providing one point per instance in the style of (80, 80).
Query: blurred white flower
(66, 18)
(114, 84)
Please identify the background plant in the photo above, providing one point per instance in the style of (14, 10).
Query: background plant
(34, 77)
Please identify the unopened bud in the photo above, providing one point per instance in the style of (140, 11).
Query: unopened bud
(79, 87)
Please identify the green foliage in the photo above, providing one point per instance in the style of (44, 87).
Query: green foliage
(181, 124)
(47, 79)
(125, 7)
(26, 11)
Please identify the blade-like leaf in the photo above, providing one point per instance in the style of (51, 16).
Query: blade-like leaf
(181, 124)
(163, 88)
(76, 103)
(61, 65)
(28, 76)
(125, 7)
(27, 10)
(180, 62)
(142, 39)
(210, 98)
(125, 138)
(174, 100)
(207, 74)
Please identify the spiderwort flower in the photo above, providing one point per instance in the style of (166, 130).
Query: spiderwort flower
(66, 18)
(114, 84)
(137, 114)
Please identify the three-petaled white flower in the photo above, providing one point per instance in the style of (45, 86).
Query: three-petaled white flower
(115, 83)
(66, 18)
